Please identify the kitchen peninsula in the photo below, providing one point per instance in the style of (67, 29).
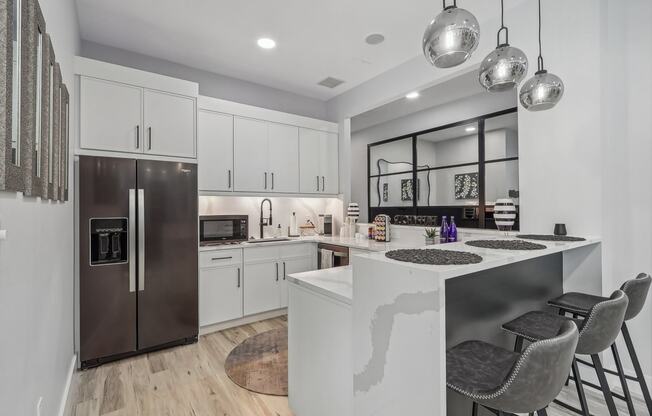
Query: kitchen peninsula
(371, 339)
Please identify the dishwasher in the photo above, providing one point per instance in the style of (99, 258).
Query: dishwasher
(339, 256)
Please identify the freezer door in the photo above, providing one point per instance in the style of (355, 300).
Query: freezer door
(107, 295)
(168, 252)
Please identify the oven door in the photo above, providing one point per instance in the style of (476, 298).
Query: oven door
(223, 229)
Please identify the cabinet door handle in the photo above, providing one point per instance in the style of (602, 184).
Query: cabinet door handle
(137, 137)
(323, 184)
(265, 180)
(149, 145)
(229, 178)
(222, 258)
(272, 181)
(317, 183)
(284, 271)
(238, 277)
(277, 272)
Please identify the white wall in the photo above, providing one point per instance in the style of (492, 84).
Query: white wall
(467, 108)
(212, 84)
(36, 271)
(282, 209)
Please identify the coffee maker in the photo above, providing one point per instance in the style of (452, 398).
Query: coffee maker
(325, 225)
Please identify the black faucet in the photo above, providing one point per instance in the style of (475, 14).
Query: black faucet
(265, 221)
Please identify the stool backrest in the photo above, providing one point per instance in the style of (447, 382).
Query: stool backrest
(602, 325)
(539, 374)
(636, 290)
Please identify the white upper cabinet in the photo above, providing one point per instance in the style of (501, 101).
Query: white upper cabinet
(130, 111)
(170, 124)
(283, 145)
(318, 161)
(110, 116)
(251, 156)
(215, 151)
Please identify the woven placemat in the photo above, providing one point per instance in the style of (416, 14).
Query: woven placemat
(434, 257)
(506, 244)
(542, 237)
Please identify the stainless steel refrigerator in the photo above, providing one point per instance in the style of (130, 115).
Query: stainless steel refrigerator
(138, 280)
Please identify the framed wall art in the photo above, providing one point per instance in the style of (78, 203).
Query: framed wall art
(55, 121)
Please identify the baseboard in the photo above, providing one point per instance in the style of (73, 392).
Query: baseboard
(66, 390)
(242, 321)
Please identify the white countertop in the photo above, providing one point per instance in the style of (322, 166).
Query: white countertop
(335, 283)
(360, 244)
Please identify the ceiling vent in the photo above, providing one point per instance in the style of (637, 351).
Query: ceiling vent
(330, 82)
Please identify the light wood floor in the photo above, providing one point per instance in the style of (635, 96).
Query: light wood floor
(190, 381)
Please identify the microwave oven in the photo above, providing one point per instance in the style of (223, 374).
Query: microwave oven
(223, 229)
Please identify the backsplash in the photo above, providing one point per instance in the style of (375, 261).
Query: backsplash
(282, 209)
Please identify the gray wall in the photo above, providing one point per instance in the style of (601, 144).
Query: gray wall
(36, 271)
(212, 84)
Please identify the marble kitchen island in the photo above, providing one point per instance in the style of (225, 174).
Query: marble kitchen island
(379, 347)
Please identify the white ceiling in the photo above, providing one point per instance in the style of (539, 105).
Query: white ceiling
(315, 38)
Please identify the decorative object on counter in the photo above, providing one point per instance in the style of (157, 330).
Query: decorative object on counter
(504, 214)
(544, 90)
(452, 231)
(443, 231)
(505, 67)
(451, 37)
(543, 237)
(293, 228)
(353, 211)
(260, 363)
(431, 235)
(308, 228)
(383, 229)
(466, 186)
(560, 229)
(371, 232)
(425, 220)
(506, 244)
(434, 257)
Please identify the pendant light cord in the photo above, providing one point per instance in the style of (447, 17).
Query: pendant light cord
(540, 59)
(502, 25)
(448, 7)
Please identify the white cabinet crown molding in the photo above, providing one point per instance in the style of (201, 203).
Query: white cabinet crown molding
(104, 70)
(249, 111)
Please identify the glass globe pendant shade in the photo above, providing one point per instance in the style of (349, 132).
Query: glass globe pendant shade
(451, 38)
(542, 92)
(503, 69)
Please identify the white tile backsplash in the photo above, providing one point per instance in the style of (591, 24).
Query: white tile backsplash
(282, 209)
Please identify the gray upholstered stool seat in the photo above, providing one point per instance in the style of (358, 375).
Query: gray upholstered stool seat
(535, 326)
(476, 367)
(574, 302)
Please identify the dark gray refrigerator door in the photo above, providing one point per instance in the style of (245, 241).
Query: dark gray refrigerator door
(168, 252)
(107, 296)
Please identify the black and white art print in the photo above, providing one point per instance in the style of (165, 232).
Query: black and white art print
(466, 186)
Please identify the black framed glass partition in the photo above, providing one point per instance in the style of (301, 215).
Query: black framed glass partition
(458, 170)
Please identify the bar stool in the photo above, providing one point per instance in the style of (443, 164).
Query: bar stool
(597, 332)
(580, 303)
(508, 382)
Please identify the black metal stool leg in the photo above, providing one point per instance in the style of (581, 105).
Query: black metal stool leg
(542, 412)
(474, 412)
(518, 345)
(623, 380)
(637, 368)
(580, 389)
(605, 385)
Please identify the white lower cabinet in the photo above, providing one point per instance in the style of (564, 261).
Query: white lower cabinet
(291, 266)
(261, 287)
(220, 295)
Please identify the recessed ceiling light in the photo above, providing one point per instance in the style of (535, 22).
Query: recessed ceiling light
(412, 95)
(470, 129)
(375, 39)
(267, 43)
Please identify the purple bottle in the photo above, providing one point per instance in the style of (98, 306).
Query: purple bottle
(452, 233)
(443, 231)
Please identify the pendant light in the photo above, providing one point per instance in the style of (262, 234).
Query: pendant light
(544, 90)
(505, 67)
(451, 37)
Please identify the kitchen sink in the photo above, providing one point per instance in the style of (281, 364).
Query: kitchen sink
(269, 240)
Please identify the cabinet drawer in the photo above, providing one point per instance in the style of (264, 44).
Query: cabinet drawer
(296, 250)
(257, 254)
(220, 258)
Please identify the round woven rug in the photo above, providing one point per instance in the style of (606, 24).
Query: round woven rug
(434, 257)
(260, 363)
(541, 237)
(506, 244)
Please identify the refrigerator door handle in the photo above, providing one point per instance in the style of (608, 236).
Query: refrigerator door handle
(132, 240)
(141, 240)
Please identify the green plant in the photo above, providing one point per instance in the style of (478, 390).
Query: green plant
(431, 232)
